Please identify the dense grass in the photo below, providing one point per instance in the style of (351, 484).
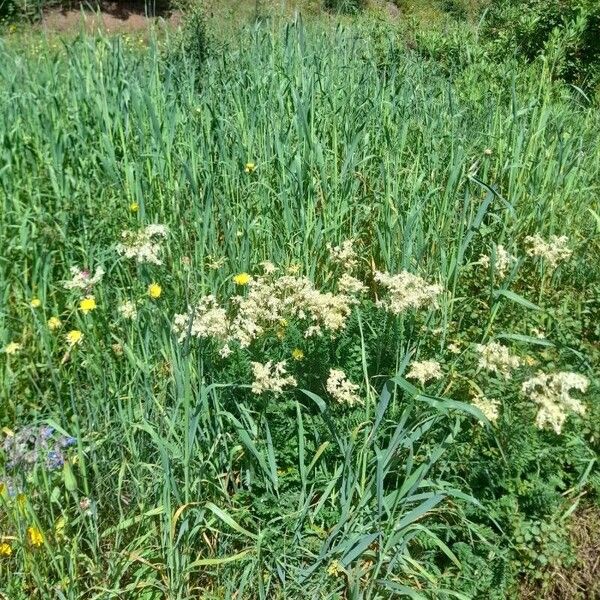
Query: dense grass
(196, 486)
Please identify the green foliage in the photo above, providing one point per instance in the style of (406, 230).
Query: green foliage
(565, 31)
(183, 479)
(345, 6)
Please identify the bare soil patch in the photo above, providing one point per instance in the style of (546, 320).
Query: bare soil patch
(109, 17)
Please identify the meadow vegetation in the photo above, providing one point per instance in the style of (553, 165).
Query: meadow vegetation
(308, 312)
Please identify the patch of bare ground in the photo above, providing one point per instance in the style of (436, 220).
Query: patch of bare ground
(109, 17)
(581, 581)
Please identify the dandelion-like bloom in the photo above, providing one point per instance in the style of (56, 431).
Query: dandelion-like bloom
(496, 358)
(35, 537)
(74, 337)
(242, 279)
(488, 407)
(341, 389)
(82, 280)
(35, 303)
(554, 251)
(424, 371)
(551, 391)
(143, 245)
(12, 348)
(128, 310)
(134, 207)
(87, 305)
(344, 255)
(297, 354)
(249, 167)
(406, 291)
(154, 291)
(54, 323)
(5, 549)
(271, 377)
(503, 260)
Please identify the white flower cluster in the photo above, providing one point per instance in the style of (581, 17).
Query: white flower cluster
(270, 302)
(144, 245)
(405, 291)
(425, 370)
(128, 310)
(350, 285)
(83, 280)
(551, 391)
(496, 358)
(271, 377)
(341, 389)
(344, 255)
(488, 407)
(503, 260)
(555, 250)
(205, 320)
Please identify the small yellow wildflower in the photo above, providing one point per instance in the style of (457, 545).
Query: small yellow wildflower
(297, 354)
(134, 207)
(35, 536)
(12, 348)
(154, 291)
(87, 305)
(5, 549)
(242, 279)
(54, 323)
(21, 501)
(249, 167)
(335, 569)
(74, 337)
(35, 303)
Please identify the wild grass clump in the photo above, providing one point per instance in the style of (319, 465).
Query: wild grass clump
(315, 319)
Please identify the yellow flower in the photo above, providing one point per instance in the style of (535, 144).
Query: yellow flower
(134, 207)
(12, 348)
(154, 291)
(335, 569)
(87, 305)
(249, 167)
(35, 303)
(21, 501)
(242, 279)
(5, 549)
(74, 337)
(54, 323)
(35, 536)
(297, 354)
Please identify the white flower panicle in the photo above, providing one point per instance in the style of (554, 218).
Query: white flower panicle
(269, 302)
(341, 389)
(488, 407)
(344, 255)
(128, 310)
(551, 391)
(83, 280)
(205, 320)
(503, 260)
(496, 358)
(143, 245)
(268, 267)
(271, 377)
(554, 251)
(350, 285)
(424, 371)
(406, 291)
